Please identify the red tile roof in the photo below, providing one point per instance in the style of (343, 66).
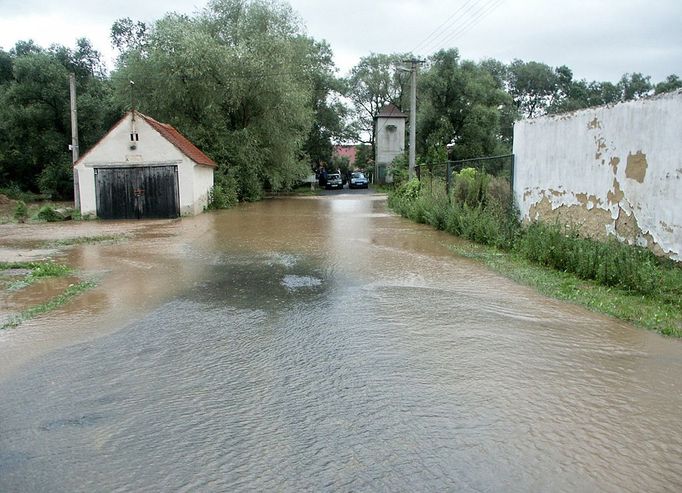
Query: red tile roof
(171, 135)
(179, 141)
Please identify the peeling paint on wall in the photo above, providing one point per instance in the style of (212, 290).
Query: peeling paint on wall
(615, 195)
(636, 166)
(601, 147)
(626, 226)
(590, 221)
(652, 245)
(559, 175)
(614, 162)
(588, 201)
(594, 124)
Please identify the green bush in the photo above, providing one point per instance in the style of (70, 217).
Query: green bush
(400, 170)
(498, 194)
(47, 213)
(21, 211)
(410, 189)
(223, 194)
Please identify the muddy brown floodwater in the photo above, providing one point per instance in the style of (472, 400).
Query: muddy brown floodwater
(323, 343)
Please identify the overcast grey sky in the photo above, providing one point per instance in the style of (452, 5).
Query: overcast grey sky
(597, 39)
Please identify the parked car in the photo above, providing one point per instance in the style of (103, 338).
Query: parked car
(334, 181)
(358, 180)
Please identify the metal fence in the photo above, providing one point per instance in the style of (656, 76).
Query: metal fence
(502, 165)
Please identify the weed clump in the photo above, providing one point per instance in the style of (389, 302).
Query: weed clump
(223, 194)
(49, 214)
(21, 212)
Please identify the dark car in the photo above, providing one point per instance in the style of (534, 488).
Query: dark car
(358, 180)
(334, 181)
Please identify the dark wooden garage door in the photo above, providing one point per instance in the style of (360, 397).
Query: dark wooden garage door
(136, 193)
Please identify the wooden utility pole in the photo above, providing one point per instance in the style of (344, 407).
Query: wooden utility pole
(74, 139)
(413, 117)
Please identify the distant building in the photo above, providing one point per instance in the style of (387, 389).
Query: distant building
(389, 140)
(346, 150)
(143, 168)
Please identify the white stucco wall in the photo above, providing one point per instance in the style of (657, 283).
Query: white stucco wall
(203, 182)
(389, 142)
(151, 149)
(612, 170)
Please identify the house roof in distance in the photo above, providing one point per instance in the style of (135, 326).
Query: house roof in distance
(390, 111)
(178, 140)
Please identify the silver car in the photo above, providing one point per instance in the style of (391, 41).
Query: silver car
(334, 181)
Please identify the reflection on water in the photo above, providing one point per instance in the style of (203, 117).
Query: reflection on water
(322, 344)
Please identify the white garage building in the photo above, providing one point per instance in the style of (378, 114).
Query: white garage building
(143, 169)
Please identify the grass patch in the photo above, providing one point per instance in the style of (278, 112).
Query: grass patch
(53, 303)
(303, 191)
(651, 311)
(306, 191)
(38, 270)
(382, 187)
(85, 240)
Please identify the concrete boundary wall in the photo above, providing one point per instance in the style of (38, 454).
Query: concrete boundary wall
(612, 170)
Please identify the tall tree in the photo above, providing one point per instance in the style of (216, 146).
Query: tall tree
(374, 82)
(239, 79)
(634, 86)
(127, 35)
(461, 103)
(329, 122)
(533, 86)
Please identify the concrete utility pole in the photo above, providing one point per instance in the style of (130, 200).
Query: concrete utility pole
(74, 139)
(413, 117)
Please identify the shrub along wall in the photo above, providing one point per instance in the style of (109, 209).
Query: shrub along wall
(480, 209)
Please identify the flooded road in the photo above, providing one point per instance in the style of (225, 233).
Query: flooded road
(321, 343)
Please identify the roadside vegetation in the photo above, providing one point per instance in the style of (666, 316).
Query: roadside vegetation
(34, 272)
(28, 208)
(85, 240)
(627, 282)
(53, 303)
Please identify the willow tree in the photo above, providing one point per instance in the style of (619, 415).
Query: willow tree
(237, 79)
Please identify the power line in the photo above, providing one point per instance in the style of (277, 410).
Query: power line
(472, 14)
(465, 11)
(487, 9)
(419, 45)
